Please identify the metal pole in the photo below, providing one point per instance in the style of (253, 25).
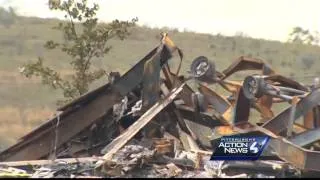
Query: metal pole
(292, 114)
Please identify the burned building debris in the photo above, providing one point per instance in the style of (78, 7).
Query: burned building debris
(149, 122)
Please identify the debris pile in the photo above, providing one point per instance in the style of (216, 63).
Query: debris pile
(151, 124)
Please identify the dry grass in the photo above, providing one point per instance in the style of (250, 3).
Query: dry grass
(17, 122)
(14, 77)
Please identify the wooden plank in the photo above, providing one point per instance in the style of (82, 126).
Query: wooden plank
(121, 140)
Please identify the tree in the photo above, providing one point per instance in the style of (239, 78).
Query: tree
(7, 17)
(84, 41)
(307, 61)
(303, 36)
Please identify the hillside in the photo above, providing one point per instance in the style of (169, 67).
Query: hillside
(25, 103)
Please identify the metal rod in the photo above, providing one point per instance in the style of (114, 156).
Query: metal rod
(282, 96)
(292, 114)
(287, 89)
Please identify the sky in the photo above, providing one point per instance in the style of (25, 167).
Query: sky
(267, 19)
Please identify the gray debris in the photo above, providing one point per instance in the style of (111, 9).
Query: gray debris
(214, 168)
(235, 176)
(120, 108)
(136, 108)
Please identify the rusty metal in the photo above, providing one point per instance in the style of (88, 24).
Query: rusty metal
(312, 119)
(219, 103)
(242, 108)
(231, 86)
(151, 82)
(280, 122)
(197, 120)
(181, 117)
(207, 119)
(299, 157)
(267, 88)
(273, 89)
(306, 138)
(283, 81)
(204, 70)
(219, 131)
(298, 128)
(246, 63)
(198, 103)
(151, 73)
(186, 93)
(291, 119)
(198, 130)
(201, 131)
(131, 78)
(176, 114)
(308, 120)
(151, 90)
(264, 105)
(256, 86)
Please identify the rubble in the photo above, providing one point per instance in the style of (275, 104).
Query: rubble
(6, 172)
(151, 124)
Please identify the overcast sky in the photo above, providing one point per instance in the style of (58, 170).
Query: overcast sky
(268, 19)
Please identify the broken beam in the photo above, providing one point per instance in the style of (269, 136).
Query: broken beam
(121, 140)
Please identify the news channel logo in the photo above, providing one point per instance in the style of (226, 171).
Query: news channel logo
(240, 147)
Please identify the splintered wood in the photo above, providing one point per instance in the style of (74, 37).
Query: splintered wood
(121, 140)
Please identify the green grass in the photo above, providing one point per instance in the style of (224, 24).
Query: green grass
(23, 42)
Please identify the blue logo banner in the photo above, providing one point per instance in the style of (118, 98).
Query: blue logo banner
(239, 147)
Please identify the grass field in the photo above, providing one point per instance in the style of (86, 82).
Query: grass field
(24, 103)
